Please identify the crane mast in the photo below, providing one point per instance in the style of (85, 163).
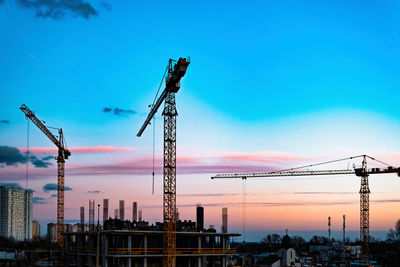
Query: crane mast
(63, 154)
(364, 211)
(175, 73)
(362, 172)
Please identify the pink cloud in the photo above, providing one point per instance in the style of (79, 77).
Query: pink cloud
(265, 157)
(82, 150)
(139, 169)
(143, 164)
(390, 157)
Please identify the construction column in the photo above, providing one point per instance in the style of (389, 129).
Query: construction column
(129, 250)
(145, 251)
(104, 262)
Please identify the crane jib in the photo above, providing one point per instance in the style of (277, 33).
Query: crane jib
(357, 172)
(30, 115)
(171, 86)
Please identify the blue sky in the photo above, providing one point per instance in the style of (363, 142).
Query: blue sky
(315, 79)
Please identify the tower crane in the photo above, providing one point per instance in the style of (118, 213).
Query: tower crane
(63, 154)
(362, 172)
(172, 84)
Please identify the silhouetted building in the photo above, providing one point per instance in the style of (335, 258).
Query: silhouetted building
(140, 216)
(91, 214)
(122, 209)
(224, 228)
(82, 218)
(134, 212)
(35, 229)
(15, 212)
(199, 218)
(52, 232)
(287, 253)
(67, 227)
(105, 210)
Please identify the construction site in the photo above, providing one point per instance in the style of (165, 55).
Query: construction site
(173, 242)
(119, 242)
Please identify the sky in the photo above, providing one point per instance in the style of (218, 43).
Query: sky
(271, 85)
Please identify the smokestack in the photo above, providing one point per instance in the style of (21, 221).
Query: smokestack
(105, 210)
(224, 220)
(116, 213)
(82, 218)
(140, 215)
(199, 218)
(122, 209)
(344, 229)
(329, 228)
(134, 212)
(91, 215)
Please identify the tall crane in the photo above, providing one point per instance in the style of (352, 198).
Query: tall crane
(172, 84)
(362, 172)
(63, 154)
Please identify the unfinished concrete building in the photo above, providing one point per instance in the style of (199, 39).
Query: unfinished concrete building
(125, 243)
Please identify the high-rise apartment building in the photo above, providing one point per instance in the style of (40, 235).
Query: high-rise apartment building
(199, 218)
(91, 214)
(35, 230)
(224, 228)
(52, 232)
(122, 209)
(116, 213)
(134, 212)
(15, 212)
(105, 209)
(140, 216)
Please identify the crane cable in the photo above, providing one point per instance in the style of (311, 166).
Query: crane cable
(159, 87)
(27, 156)
(378, 161)
(317, 164)
(244, 210)
(154, 125)
(331, 161)
(154, 141)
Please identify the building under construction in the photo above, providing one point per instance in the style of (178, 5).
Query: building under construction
(125, 243)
